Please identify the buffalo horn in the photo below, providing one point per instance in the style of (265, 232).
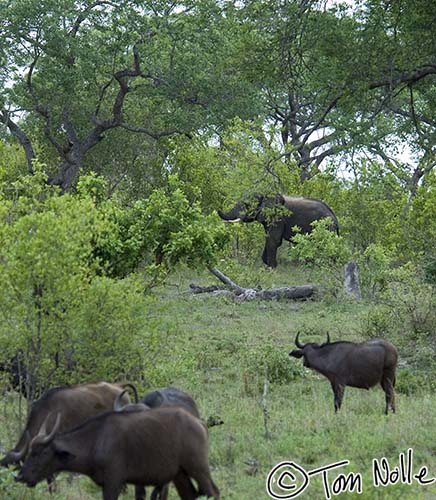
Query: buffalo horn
(118, 405)
(42, 437)
(133, 387)
(48, 437)
(328, 338)
(297, 342)
(16, 456)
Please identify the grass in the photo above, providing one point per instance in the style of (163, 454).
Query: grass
(218, 351)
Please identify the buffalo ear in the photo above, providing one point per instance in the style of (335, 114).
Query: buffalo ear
(63, 455)
(296, 353)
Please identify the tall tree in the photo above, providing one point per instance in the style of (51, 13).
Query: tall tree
(78, 69)
(331, 75)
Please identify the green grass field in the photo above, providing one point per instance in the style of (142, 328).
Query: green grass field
(217, 350)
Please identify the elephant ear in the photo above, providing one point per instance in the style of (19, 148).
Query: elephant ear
(279, 199)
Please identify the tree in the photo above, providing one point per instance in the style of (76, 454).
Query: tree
(338, 79)
(76, 70)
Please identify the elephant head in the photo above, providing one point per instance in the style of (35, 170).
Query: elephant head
(251, 209)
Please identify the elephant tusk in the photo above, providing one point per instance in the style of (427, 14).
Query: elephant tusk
(233, 220)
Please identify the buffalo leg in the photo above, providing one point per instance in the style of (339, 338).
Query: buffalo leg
(184, 487)
(338, 391)
(139, 492)
(112, 490)
(388, 387)
(160, 493)
(206, 487)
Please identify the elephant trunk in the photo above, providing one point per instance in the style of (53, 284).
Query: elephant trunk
(231, 216)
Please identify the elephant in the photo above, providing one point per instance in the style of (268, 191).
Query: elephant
(302, 212)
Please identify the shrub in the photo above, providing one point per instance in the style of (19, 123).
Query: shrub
(276, 360)
(70, 322)
(324, 253)
(411, 382)
(374, 265)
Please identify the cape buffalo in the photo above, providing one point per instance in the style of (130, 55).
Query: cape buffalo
(149, 448)
(356, 365)
(77, 403)
(167, 397)
(295, 211)
(164, 397)
(24, 380)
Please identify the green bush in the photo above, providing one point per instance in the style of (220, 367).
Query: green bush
(430, 270)
(324, 254)
(159, 232)
(276, 360)
(374, 266)
(112, 336)
(378, 323)
(70, 321)
(412, 382)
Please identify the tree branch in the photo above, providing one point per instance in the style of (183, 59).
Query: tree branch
(82, 16)
(22, 137)
(408, 77)
(154, 135)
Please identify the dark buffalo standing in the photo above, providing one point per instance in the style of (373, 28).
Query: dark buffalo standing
(16, 371)
(148, 448)
(167, 397)
(356, 365)
(24, 380)
(299, 212)
(76, 403)
(164, 397)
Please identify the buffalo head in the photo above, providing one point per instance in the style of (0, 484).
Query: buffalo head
(307, 350)
(43, 455)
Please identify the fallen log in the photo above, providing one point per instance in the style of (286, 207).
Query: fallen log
(242, 294)
(203, 289)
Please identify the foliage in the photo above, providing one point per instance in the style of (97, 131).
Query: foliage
(412, 300)
(56, 304)
(176, 63)
(323, 252)
(420, 219)
(406, 314)
(12, 162)
(413, 382)
(163, 230)
(112, 336)
(371, 207)
(430, 270)
(275, 360)
(374, 266)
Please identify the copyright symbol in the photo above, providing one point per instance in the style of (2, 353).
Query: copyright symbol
(286, 480)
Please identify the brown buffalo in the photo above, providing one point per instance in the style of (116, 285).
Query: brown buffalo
(356, 365)
(148, 448)
(76, 403)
